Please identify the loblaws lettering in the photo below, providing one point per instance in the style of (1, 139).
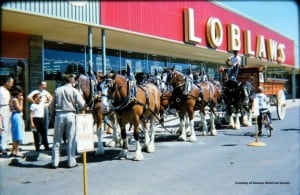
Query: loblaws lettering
(265, 48)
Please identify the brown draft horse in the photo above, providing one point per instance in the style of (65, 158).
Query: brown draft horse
(93, 101)
(132, 109)
(166, 94)
(201, 95)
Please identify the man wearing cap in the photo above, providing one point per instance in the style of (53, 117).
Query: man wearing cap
(234, 63)
(263, 101)
(67, 100)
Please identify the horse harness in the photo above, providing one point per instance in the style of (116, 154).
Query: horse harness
(131, 99)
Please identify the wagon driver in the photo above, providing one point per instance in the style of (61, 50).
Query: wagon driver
(234, 63)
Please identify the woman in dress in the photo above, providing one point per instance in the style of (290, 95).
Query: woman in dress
(16, 106)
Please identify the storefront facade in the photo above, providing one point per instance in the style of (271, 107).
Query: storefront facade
(43, 40)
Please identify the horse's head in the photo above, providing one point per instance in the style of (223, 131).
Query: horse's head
(86, 87)
(142, 77)
(113, 87)
(173, 77)
(107, 87)
(246, 92)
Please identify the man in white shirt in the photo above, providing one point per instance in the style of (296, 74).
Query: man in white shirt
(234, 63)
(46, 99)
(5, 129)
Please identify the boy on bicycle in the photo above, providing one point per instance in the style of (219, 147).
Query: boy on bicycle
(263, 101)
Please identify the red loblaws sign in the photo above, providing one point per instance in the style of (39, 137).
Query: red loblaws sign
(212, 27)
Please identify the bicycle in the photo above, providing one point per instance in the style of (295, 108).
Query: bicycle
(266, 125)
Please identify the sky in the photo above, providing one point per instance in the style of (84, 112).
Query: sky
(280, 16)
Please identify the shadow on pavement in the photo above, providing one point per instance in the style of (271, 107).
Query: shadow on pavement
(109, 155)
(251, 134)
(291, 129)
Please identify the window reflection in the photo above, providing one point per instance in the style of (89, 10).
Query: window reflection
(61, 59)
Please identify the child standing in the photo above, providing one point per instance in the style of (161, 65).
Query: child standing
(37, 123)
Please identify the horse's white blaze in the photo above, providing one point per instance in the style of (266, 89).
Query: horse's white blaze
(104, 95)
(163, 85)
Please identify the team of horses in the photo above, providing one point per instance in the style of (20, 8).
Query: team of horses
(120, 105)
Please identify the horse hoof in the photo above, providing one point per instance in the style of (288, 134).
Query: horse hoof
(247, 124)
(181, 138)
(193, 138)
(203, 133)
(214, 133)
(138, 157)
(150, 149)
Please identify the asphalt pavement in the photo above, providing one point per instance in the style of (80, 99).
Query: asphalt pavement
(27, 147)
(222, 164)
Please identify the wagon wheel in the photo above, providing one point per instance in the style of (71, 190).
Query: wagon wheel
(281, 105)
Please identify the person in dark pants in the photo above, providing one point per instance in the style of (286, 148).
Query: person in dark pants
(37, 122)
(46, 98)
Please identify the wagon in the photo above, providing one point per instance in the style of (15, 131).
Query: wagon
(274, 88)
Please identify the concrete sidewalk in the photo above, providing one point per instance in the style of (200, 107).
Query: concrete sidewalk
(28, 149)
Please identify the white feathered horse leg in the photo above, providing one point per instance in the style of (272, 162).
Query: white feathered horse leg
(237, 121)
(150, 144)
(138, 152)
(246, 119)
(187, 124)
(182, 136)
(213, 130)
(116, 131)
(192, 137)
(100, 148)
(231, 121)
(204, 124)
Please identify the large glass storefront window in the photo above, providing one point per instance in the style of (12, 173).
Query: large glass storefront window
(156, 62)
(14, 68)
(137, 61)
(17, 69)
(60, 59)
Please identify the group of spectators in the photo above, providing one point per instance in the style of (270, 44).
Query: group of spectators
(11, 113)
(64, 103)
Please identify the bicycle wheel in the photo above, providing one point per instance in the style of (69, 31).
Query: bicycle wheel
(269, 131)
(266, 125)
